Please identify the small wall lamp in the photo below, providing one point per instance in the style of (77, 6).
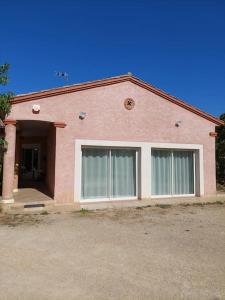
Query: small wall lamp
(82, 115)
(178, 123)
(36, 108)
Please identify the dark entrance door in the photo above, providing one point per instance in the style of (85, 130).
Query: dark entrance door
(29, 169)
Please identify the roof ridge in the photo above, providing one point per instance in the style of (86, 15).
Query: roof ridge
(74, 84)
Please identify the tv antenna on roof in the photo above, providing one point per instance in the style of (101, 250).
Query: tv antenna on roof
(62, 74)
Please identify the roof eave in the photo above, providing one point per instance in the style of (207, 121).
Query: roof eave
(110, 81)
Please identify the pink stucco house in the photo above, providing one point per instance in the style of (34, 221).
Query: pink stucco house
(107, 140)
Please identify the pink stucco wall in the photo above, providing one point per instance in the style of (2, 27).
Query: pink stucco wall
(152, 120)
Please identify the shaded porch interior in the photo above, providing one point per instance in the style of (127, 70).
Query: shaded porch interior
(34, 178)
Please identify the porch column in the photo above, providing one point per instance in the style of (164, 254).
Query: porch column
(62, 191)
(9, 162)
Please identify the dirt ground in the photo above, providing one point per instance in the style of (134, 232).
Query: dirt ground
(138, 253)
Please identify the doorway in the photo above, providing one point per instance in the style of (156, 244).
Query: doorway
(30, 162)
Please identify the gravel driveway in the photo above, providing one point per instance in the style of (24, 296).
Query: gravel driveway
(151, 253)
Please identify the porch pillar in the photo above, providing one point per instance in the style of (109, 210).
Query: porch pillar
(9, 162)
(62, 160)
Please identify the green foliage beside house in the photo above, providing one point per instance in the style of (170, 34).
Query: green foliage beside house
(220, 153)
(5, 108)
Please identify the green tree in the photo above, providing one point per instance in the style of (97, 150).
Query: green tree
(5, 104)
(220, 153)
(5, 108)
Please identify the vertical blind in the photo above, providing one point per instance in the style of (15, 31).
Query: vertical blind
(172, 172)
(108, 173)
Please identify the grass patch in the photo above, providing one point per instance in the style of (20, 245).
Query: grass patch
(198, 204)
(219, 202)
(202, 203)
(145, 206)
(163, 205)
(213, 203)
(13, 220)
(220, 187)
(44, 213)
(185, 204)
(84, 211)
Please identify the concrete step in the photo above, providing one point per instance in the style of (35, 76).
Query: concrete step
(27, 206)
(39, 206)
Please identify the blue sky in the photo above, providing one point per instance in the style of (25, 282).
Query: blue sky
(178, 46)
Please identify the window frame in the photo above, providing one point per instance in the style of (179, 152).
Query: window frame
(171, 150)
(109, 191)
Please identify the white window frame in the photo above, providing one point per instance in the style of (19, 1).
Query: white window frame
(143, 162)
(109, 198)
(194, 171)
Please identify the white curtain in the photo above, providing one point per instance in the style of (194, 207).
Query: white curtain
(97, 179)
(183, 175)
(161, 177)
(123, 173)
(172, 172)
(95, 173)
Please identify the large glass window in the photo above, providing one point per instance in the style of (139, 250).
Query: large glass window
(172, 172)
(108, 173)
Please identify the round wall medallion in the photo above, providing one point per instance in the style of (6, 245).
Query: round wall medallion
(129, 103)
